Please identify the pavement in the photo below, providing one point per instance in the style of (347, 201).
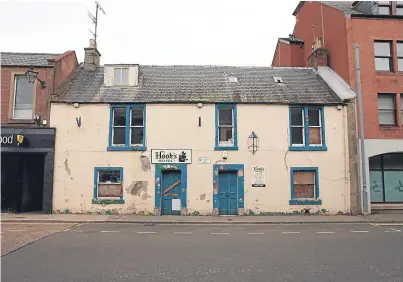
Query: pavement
(139, 219)
(177, 253)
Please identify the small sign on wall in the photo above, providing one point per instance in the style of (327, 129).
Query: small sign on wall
(203, 160)
(171, 156)
(258, 176)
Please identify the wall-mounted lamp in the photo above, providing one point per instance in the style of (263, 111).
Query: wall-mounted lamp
(253, 142)
(78, 120)
(37, 120)
(33, 75)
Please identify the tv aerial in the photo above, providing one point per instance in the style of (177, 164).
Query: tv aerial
(95, 19)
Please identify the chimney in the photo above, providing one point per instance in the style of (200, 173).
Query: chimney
(92, 56)
(318, 58)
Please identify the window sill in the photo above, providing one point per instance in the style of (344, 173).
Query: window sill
(127, 148)
(296, 202)
(224, 148)
(388, 73)
(108, 201)
(310, 148)
(388, 127)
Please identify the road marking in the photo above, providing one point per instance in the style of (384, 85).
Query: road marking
(359, 231)
(110, 231)
(16, 230)
(79, 224)
(146, 232)
(290, 232)
(393, 230)
(255, 233)
(387, 224)
(65, 230)
(325, 232)
(187, 233)
(219, 233)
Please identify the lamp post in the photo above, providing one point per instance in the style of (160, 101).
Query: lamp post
(33, 75)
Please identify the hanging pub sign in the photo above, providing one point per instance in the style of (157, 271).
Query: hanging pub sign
(183, 156)
(258, 177)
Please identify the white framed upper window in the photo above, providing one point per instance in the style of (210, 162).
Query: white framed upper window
(121, 76)
(23, 98)
(226, 127)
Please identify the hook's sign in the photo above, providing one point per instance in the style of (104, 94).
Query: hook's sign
(183, 156)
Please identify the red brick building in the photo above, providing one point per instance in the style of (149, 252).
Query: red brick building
(325, 33)
(27, 142)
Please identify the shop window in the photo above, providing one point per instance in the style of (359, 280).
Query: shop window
(23, 98)
(386, 178)
(304, 186)
(307, 128)
(226, 127)
(383, 56)
(108, 184)
(386, 109)
(127, 128)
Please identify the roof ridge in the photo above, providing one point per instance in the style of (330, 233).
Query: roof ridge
(28, 53)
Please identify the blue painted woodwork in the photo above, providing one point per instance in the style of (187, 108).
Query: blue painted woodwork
(169, 177)
(234, 147)
(227, 192)
(95, 199)
(239, 170)
(315, 201)
(159, 169)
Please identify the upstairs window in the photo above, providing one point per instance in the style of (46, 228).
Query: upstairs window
(383, 56)
(400, 55)
(121, 76)
(307, 128)
(226, 127)
(386, 109)
(401, 106)
(127, 127)
(23, 98)
(384, 8)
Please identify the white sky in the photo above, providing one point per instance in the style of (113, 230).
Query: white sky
(159, 32)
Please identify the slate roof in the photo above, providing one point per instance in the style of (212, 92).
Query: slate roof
(25, 59)
(209, 84)
(344, 6)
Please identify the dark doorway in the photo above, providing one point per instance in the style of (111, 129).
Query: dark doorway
(22, 182)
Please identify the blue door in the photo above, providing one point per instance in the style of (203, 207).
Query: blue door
(171, 192)
(227, 192)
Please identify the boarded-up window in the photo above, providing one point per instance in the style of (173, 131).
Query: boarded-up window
(304, 184)
(109, 183)
(315, 131)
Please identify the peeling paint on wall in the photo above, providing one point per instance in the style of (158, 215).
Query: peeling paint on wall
(203, 196)
(145, 196)
(145, 163)
(67, 168)
(136, 187)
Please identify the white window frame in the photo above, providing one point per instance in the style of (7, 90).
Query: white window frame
(299, 126)
(316, 126)
(232, 140)
(15, 98)
(120, 83)
(118, 126)
(136, 126)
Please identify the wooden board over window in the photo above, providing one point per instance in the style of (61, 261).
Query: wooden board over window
(110, 190)
(304, 184)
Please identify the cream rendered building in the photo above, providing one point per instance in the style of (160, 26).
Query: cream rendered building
(199, 140)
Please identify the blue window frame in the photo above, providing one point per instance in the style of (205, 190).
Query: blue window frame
(304, 186)
(307, 128)
(108, 185)
(127, 128)
(226, 134)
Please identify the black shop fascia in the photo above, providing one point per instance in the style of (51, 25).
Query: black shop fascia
(27, 162)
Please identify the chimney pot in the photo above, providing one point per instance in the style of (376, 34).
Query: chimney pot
(92, 56)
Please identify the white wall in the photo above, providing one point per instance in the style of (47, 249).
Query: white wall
(79, 150)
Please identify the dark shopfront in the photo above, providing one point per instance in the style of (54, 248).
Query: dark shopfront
(27, 160)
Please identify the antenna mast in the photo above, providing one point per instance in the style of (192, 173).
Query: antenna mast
(95, 20)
